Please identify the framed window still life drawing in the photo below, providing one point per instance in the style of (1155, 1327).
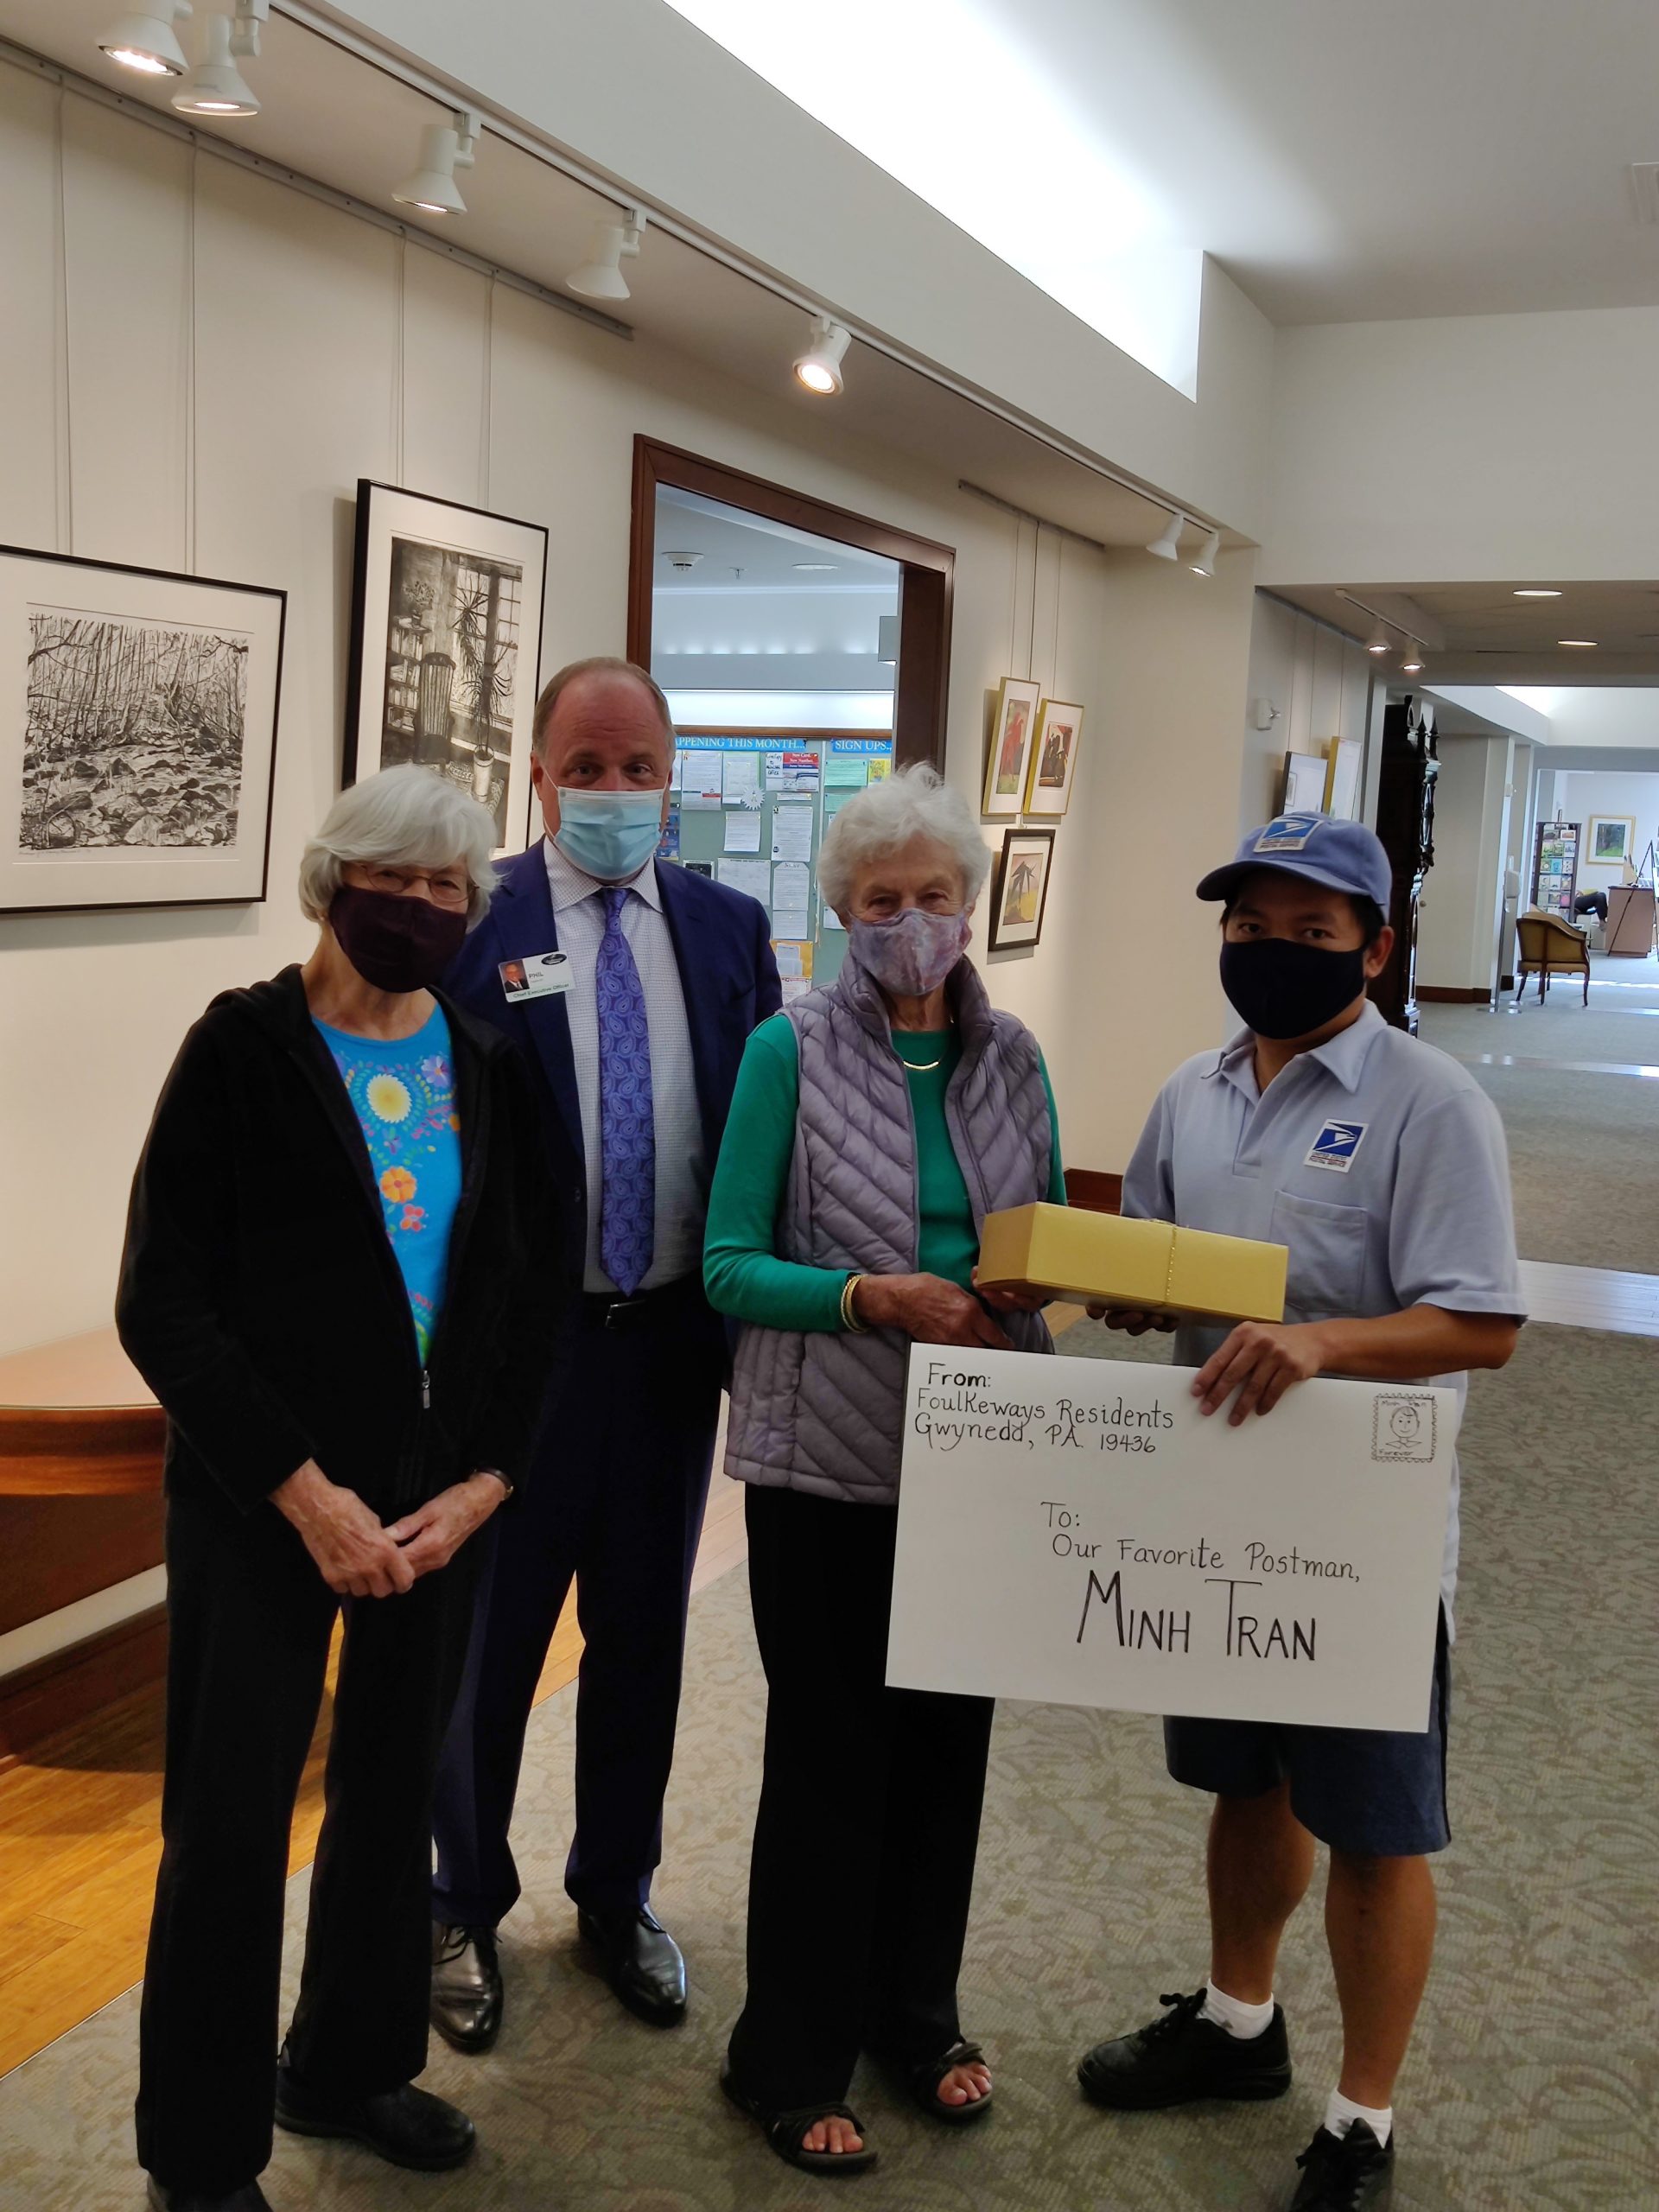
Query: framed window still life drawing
(1007, 765)
(1304, 791)
(1053, 757)
(1021, 888)
(1609, 840)
(446, 647)
(136, 766)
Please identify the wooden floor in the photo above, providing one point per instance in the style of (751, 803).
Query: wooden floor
(80, 1836)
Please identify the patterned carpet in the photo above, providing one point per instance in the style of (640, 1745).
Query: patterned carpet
(1534, 2079)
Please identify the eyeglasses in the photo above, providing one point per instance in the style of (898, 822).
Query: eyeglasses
(446, 889)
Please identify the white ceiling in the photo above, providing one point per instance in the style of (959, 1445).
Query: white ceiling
(1483, 633)
(1345, 161)
(767, 553)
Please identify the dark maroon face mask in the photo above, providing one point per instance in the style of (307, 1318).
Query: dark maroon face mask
(396, 943)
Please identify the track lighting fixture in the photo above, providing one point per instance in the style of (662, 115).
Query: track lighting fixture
(600, 277)
(145, 40)
(216, 85)
(1380, 640)
(819, 367)
(445, 148)
(1165, 546)
(1412, 663)
(1205, 563)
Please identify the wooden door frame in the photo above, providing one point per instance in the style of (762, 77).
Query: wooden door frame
(927, 577)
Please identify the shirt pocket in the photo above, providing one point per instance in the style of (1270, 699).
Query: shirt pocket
(1327, 1256)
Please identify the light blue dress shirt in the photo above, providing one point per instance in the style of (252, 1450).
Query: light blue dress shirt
(1376, 1160)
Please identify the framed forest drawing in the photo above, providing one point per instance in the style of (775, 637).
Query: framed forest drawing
(446, 647)
(139, 742)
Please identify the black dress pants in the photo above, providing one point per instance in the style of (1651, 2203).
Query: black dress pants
(864, 1846)
(249, 1619)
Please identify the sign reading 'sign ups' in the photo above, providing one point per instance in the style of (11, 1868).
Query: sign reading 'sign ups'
(1075, 1531)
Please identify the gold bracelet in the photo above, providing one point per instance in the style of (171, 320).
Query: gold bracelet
(848, 1319)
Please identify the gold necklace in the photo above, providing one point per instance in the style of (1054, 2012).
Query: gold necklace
(925, 1067)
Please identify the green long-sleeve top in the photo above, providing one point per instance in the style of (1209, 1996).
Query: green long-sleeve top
(740, 1268)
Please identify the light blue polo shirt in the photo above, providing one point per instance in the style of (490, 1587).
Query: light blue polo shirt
(1374, 1158)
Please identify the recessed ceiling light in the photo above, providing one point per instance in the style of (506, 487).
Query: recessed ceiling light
(1577, 641)
(1537, 591)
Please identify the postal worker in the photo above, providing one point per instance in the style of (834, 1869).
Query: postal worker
(1380, 1166)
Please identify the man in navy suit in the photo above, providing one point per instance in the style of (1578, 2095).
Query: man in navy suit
(630, 988)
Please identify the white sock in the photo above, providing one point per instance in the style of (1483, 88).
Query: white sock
(1240, 2020)
(1342, 2111)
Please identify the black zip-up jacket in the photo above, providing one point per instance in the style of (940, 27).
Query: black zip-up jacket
(260, 1298)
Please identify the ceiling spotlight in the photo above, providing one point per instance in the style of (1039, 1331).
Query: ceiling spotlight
(1537, 591)
(815, 568)
(819, 367)
(146, 40)
(600, 277)
(1205, 563)
(445, 148)
(1381, 640)
(216, 85)
(1164, 547)
(1591, 642)
(1412, 660)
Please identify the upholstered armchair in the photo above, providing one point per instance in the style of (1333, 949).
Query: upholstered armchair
(1545, 947)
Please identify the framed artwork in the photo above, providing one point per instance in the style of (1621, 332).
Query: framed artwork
(1021, 887)
(446, 647)
(1609, 840)
(137, 762)
(1304, 791)
(1007, 766)
(1053, 757)
(1342, 767)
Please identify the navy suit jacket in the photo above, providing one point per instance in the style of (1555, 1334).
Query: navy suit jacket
(726, 971)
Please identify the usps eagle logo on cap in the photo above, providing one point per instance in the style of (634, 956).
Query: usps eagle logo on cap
(1287, 833)
(1335, 1146)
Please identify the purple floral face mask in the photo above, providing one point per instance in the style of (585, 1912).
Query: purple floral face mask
(911, 953)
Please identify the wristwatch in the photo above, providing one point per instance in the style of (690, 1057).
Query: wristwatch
(496, 1475)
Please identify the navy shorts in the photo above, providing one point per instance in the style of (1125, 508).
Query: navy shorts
(1359, 1789)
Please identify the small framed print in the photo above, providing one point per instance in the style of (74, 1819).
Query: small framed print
(138, 759)
(1342, 768)
(1007, 766)
(1609, 840)
(1304, 777)
(1021, 888)
(446, 647)
(1053, 757)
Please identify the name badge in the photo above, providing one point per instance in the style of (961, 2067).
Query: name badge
(538, 977)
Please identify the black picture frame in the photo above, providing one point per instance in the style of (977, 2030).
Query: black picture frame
(1004, 936)
(388, 690)
(46, 853)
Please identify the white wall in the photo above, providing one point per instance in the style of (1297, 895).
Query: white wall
(1459, 911)
(1480, 448)
(1585, 714)
(324, 350)
(1578, 796)
(641, 95)
(1320, 681)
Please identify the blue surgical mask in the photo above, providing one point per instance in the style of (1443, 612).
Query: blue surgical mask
(611, 835)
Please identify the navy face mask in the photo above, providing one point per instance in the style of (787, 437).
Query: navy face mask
(396, 943)
(1282, 989)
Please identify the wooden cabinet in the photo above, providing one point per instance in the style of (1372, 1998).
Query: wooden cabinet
(1405, 822)
(1630, 919)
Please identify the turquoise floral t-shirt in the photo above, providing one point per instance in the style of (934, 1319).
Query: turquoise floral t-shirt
(403, 1096)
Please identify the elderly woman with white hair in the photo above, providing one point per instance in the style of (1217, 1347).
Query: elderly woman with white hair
(331, 1283)
(875, 1124)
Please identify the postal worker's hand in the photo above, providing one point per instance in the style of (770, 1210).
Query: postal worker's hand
(1260, 1361)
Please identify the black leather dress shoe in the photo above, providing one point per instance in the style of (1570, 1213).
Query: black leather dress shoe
(1183, 2059)
(248, 2198)
(466, 1993)
(407, 2127)
(642, 1963)
(1348, 2173)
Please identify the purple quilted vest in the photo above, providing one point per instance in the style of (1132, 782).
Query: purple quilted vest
(822, 1411)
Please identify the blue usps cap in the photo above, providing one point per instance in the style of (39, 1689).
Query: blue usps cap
(1342, 855)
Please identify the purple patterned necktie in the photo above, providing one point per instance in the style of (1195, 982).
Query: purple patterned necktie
(628, 1127)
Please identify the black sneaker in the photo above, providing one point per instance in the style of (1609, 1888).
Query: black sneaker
(1345, 2173)
(1181, 2058)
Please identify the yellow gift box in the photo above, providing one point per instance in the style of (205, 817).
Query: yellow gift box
(1148, 1265)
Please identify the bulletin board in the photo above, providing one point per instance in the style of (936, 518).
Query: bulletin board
(750, 809)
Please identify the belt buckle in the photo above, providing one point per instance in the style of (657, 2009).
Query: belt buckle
(621, 1305)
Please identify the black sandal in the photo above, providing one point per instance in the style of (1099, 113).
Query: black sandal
(784, 2131)
(924, 2081)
